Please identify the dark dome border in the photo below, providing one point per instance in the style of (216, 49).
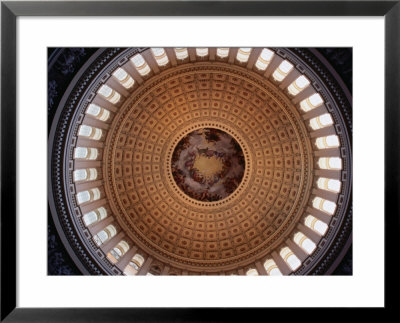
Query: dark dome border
(60, 207)
(340, 94)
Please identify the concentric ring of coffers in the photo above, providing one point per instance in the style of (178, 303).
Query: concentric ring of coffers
(100, 113)
(240, 229)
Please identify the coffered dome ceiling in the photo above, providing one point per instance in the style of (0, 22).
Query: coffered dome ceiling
(203, 161)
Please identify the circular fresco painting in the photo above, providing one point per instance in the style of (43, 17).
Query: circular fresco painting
(208, 164)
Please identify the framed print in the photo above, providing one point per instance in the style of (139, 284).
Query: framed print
(190, 150)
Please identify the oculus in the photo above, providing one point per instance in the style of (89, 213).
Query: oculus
(208, 164)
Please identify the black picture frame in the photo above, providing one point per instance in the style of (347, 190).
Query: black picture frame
(11, 10)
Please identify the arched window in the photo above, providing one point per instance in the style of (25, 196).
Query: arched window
(331, 141)
(181, 53)
(95, 216)
(88, 174)
(282, 71)
(80, 175)
(324, 205)
(104, 235)
(271, 268)
(314, 101)
(118, 251)
(305, 243)
(290, 258)
(264, 59)
(243, 54)
(222, 52)
(85, 153)
(90, 132)
(88, 196)
(98, 112)
(160, 56)
(134, 265)
(124, 78)
(298, 85)
(141, 65)
(109, 94)
(201, 52)
(328, 184)
(330, 163)
(252, 272)
(315, 224)
(321, 121)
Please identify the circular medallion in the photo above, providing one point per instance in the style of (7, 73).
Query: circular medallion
(208, 164)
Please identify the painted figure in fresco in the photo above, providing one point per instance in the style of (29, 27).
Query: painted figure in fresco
(208, 164)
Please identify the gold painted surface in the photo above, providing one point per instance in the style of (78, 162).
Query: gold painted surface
(208, 166)
(208, 236)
